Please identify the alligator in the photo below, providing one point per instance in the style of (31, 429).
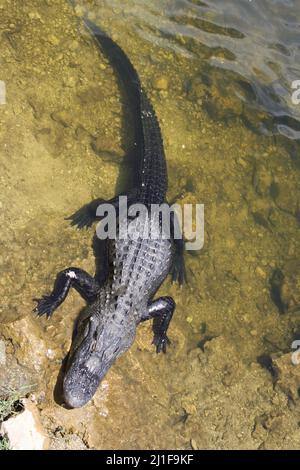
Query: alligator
(120, 296)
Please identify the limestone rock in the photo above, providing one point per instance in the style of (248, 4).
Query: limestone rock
(2, 354)
(24, 431)
(288, 370)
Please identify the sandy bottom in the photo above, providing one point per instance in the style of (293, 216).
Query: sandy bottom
(227, 380)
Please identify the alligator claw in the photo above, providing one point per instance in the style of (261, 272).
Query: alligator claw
(178, 271)
(44, 306)
(161, 342)
(82, 218)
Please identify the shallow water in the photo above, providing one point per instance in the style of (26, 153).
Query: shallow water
(220, 82)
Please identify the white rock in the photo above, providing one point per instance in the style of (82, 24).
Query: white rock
(24, 431)
(2, 354)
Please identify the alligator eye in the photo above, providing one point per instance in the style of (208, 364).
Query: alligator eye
(94, 341)
(81, 332)
(84, 328)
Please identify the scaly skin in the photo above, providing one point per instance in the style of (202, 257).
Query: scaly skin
(121, 295)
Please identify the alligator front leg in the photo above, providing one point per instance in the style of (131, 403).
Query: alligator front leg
(86, 215)
(161, 310)
(85, 284)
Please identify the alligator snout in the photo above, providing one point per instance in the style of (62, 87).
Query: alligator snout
(80, 385)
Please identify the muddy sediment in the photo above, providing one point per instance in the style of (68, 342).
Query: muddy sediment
(64, 131)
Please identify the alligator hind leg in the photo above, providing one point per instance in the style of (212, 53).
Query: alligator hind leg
(177, 271)
(85, 284)
(161, 310)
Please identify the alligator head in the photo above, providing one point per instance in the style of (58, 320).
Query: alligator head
(98, 340)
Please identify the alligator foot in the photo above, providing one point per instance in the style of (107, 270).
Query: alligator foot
(161, 310)
(178, 271)
(161, 341)
(86, 215)
(85, 284)
(45, 306)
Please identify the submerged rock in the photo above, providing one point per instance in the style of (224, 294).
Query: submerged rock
(161, 83)
(288, 373)
(286, 196)
(285, 287)
(62, 117)
(262, 180)
(24, 431)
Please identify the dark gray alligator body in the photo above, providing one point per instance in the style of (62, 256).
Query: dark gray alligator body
(121, 295)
